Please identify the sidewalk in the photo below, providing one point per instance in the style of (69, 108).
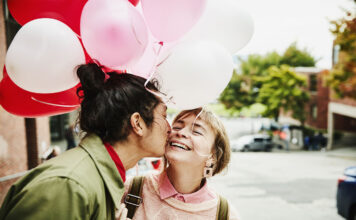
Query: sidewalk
(346, 153)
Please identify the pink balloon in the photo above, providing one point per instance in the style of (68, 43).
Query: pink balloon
(154, 54)
(169, 20)
(113, 32)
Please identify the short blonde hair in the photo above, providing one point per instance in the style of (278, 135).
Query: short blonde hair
(221, 147)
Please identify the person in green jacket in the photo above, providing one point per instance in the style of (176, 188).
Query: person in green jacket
(122, 121)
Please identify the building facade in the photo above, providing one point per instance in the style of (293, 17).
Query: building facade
(325, 111)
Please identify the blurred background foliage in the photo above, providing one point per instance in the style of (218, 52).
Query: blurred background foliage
(269, 81)
(342, 78)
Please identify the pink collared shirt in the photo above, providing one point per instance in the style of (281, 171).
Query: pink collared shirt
(167, 190)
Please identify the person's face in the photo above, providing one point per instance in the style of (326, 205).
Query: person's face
(158, 132)
(190, 142)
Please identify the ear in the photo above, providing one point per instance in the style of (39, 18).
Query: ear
(137, 123)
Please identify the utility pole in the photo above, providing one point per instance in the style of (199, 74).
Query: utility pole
(31, 143)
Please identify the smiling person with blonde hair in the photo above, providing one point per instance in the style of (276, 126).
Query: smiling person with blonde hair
(198, 148)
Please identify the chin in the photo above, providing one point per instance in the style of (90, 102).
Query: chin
(174, 157)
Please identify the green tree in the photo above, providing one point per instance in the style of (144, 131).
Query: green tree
(244, 88)
(283, 89)
(296, 57)
(257, 65)
(342, 78)
(238, 93)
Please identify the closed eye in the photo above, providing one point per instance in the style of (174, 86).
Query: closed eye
(176, 128)
(197, 132)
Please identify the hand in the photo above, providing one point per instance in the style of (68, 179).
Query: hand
(121, 214)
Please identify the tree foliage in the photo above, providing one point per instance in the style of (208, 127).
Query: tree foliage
(296, 57)
(342, 78)
(245, 86)
(283, 89)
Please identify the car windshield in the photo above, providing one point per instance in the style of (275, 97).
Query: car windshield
(351, 171)
(245, 139)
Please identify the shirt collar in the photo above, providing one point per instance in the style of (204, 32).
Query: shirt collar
(167, 190)
(105, 165)
(115, 157)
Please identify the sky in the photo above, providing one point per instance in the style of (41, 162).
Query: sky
(278, 23)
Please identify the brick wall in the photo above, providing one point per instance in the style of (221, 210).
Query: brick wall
(320, 99)
(12, 130)
(344, 123)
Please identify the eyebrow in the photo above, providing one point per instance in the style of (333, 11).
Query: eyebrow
(199, 126)
(194, 125)
(179, 121)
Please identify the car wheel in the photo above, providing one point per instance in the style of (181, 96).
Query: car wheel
(246, 148)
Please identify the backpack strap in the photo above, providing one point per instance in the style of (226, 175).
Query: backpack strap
(133, 198)
(222, 212)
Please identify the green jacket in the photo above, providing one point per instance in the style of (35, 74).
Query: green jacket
(82, 183)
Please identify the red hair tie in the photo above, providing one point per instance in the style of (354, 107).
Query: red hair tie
(107, 70)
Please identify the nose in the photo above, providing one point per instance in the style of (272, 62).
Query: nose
(183, 132)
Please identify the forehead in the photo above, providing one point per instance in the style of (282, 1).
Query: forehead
(190, 118)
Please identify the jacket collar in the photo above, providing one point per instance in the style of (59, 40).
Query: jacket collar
(105, 165)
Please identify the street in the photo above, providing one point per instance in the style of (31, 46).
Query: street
(282, 185)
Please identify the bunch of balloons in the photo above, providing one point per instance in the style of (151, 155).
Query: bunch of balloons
(187, 45)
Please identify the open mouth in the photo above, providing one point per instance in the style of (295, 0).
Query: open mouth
(179, 145)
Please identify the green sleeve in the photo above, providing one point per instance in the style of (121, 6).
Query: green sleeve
(52, 198)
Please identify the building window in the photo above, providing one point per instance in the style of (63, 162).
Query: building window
(57, 126)
(313, 83)
(336, 50)
(314, 111)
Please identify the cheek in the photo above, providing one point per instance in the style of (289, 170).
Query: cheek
(202, 147)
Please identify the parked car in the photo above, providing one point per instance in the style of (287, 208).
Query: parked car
(346, 194)
(255, 142)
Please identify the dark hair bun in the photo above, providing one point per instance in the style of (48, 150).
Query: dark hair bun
(91, 77)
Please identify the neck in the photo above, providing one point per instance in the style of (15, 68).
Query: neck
(185, 179)
(129, 153)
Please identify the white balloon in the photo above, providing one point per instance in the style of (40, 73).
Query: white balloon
(195, 74)
(226, 23)
(43, 55)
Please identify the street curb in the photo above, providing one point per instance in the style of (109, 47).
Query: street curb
(342, 156)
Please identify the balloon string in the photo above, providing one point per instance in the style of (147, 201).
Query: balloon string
(152, 71)
(53, 104)
(135, 33)
(196, 118)
(162, 95)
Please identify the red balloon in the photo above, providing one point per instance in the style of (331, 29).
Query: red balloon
(27, 104)
(66, 11)
(134, 2)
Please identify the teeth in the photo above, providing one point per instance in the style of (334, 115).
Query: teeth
(179, 146)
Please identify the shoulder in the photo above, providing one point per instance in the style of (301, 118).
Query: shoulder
(74, 167)
(148, 180)
(233, 214)
(35, 200)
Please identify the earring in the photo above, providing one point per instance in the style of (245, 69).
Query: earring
(208, 169)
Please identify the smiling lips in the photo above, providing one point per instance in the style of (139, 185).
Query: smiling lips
(179, 145)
